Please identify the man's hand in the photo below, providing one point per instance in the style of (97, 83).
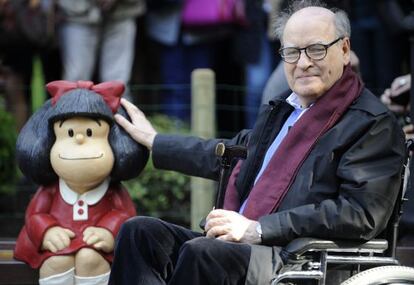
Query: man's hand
(99, 238)
(400, 85)
(396, 108)
(354, 60)
(409, 131)
(140, 129)
(231, 226)
(57, 238)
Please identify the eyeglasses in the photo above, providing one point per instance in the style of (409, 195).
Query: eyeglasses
(314, 51)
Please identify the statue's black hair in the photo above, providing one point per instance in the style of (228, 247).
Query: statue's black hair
(37, 137)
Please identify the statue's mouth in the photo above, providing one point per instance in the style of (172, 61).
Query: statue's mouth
(80, 158)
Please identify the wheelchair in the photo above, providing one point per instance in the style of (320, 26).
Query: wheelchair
(330, 262)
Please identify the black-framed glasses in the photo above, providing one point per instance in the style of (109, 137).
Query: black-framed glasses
(314, 51)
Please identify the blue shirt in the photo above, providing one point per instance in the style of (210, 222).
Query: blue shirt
(298, 111)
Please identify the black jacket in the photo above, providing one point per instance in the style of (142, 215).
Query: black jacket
(346, 188)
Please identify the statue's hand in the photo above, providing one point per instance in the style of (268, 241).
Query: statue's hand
(99, 238)
(57, 238)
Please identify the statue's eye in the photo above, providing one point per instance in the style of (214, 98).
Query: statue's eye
(70, 132)
(89, 132)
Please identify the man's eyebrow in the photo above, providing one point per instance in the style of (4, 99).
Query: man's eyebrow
(313, 43)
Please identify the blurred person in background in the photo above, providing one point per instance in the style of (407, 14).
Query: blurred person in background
(183, 47)
(254, 48)
(399, 17)
(26, 31)
(99, 29)
(397, 99)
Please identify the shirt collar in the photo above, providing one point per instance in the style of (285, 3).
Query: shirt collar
(294, 101)
(91, 197)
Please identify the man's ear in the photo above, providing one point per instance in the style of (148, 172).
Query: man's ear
(346, 50)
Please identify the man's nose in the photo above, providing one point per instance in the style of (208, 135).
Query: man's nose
(304, 61)
(80, 138)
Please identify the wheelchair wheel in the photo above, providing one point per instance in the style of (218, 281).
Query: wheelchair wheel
(398, 275)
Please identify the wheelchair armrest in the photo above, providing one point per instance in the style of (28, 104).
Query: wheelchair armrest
(299, 246)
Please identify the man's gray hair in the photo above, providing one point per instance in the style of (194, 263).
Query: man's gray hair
(342, 25)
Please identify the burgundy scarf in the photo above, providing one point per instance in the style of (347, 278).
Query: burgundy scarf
(276, 179)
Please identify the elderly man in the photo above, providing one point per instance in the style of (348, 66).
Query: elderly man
(324, 160)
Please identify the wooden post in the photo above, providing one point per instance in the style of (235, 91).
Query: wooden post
(203, 124)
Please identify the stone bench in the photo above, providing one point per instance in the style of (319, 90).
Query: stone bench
(13, 272)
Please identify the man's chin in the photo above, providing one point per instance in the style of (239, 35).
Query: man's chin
(307, 92)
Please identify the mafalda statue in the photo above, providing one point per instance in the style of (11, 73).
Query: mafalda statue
(74, 149)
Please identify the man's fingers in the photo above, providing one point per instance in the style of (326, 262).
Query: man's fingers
(123, 122)
(217, 213)
(385, 97)
(217, 231)
(127, 104)
(397, 108)
(138, 117)
(213, 222)
(131, 109)
(226, 237)
(140, 129)
(408, 129)
(130, 129)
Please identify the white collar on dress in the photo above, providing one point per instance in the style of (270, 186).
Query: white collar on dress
(91, 197)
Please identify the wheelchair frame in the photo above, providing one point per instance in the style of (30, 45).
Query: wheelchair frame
(316, 255)
(313, 256)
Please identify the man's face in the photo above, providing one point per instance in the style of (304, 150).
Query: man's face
(308, 78)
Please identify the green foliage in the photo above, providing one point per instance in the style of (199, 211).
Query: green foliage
(37, 85)
(7, 151)
(160, 193)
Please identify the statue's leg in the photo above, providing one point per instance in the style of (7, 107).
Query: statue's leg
(89, 262)
(57, 270)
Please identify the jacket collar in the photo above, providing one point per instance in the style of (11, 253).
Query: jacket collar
(91, 197)
(288, 97)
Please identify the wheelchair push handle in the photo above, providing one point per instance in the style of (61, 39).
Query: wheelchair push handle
(226, 155)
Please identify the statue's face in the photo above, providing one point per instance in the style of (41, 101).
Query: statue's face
(81, 154)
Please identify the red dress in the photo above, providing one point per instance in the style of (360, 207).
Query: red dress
(48, 209)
